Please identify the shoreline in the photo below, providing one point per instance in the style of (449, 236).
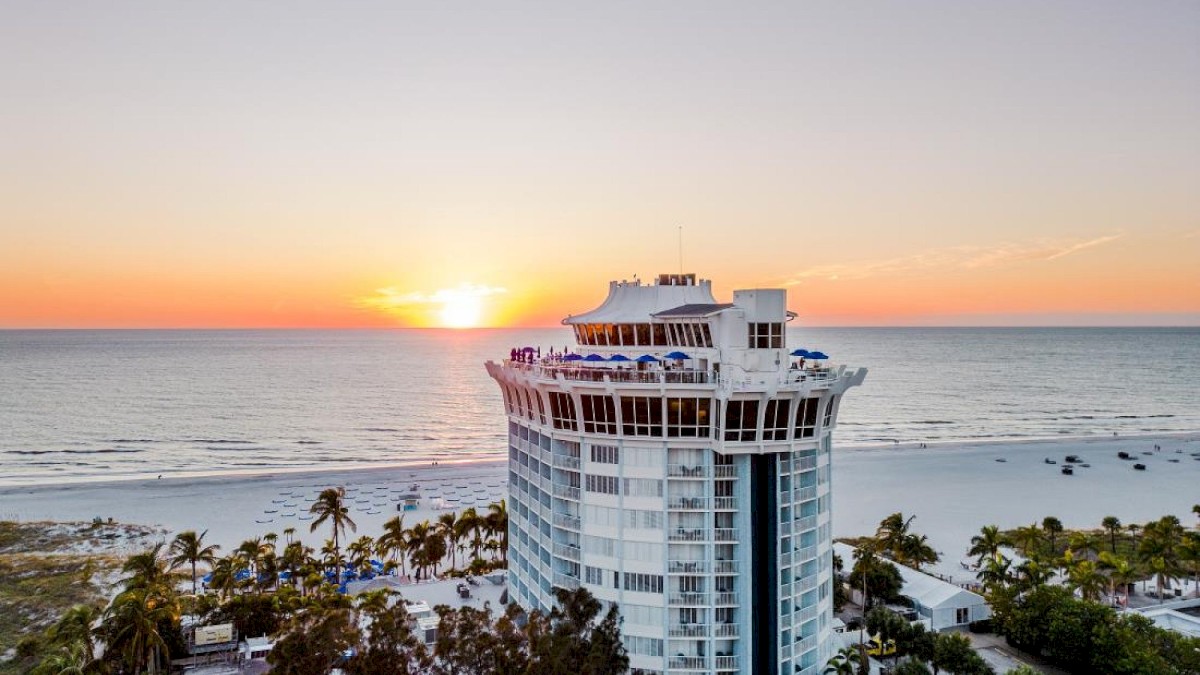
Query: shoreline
(953, 489)
(498, 457)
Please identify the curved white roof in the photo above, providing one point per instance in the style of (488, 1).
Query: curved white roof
(635, 302)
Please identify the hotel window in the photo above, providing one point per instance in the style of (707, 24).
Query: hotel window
(599, 414)
(688, 417)
(643, 487)
(660, 335)
(528, 405)
(643, 334)
(639, 519)
(829, 411)
(741, 421)
(562, 411)
(645, 646)
(593, 575)
(705, 335)
(641, 416)
(606, 485)
(775, 426)
(541, 407)
(806, 417)
(765, 335)
(627, 334)
(612, 334)
(643, 583)
(605, 454)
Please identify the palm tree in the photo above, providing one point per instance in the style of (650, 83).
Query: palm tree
(360, 551)
(288, 533)
(916, 551)
(1028, 539)
(257, 553)
(415, 545)
(1189, 553)
(188, 548)
(131, 627)
(1053, 527)
(1159, 550)
(1120, 572)
(471, 526)
(1031, 574)
(393, 538)
(1084, 577)
(843, 662)
(331, 506)
(891, 533)
(74, 627)
(149, 570)
(224, 574)
(987, 543)
(1133, 531)
(497, 520)
(72, 658)
(447, 527)
(1113, 525)
(994, 573)
(1085, 544)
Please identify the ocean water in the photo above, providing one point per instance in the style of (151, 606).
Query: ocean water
(99, 405)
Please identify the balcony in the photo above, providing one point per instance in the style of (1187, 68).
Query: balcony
(688, 599)
(726, 630)
(565, 462)
(806, 523)
(687, 567)
(567, 551)
(726, 662)
(683, 534)
(725, 566)
(566, 581)
(806, 553)
(566, 492)
(688, 503)
(725, 471)
(808, 613)
(685, 471)
(725, 503)
(688, 630)
(725, 534)
(726, 599)
(688, 663)
(565, 521)
(806, 494)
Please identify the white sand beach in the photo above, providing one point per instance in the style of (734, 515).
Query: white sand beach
(953, 489)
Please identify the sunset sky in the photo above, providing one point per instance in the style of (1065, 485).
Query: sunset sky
(229, 164)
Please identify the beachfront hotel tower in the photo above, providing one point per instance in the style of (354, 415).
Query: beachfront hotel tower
(676, 462)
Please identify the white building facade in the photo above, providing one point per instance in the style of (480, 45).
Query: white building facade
(678, 465)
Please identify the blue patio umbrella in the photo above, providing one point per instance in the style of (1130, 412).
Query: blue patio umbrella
(817, 356)
(207, 578)
(619, 357)
(802, 353)
(572, 357)
(676, 355)
(646, 358)
(594, 357)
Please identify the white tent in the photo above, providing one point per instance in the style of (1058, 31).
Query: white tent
(943, 604)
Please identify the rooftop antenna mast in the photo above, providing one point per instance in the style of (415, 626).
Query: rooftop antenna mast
(681, 249)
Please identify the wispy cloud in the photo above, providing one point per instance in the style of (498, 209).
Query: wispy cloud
(952, 257)
(392, 298)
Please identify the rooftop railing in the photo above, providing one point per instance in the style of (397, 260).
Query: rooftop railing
(571, 371)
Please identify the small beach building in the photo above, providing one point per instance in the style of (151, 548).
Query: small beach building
(942, 604)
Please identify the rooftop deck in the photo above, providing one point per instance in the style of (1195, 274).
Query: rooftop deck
(553, 368)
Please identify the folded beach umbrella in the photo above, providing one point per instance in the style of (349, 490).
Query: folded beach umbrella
(594, 357)
(802, 353)
(646, 358)
(676, 355)
(817, 355)
(619, 357)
